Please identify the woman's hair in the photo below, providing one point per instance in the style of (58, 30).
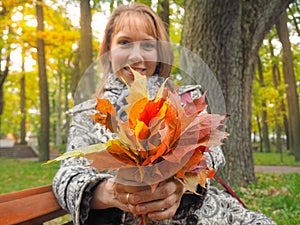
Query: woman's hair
(121, 16)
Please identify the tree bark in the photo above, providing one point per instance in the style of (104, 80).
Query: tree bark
(276, 82)
(264, 114)
(163, 10)
(23, 101)
(227, 36)
(291, 90)
(259, 133)
(85, 50)
(43, 85)
(58, 136)
(75, 77)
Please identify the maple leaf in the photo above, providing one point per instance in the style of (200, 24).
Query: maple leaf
(106, 115)
(162, 137)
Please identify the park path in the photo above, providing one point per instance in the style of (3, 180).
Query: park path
(277, 169)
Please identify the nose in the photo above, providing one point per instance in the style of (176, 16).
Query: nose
(135, 54)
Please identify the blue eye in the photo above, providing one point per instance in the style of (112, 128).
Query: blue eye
(148, 45)
(124, 43)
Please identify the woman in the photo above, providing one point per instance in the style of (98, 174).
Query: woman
(135, 36)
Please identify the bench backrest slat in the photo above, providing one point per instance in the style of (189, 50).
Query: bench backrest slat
(32, 206)
(24, 193)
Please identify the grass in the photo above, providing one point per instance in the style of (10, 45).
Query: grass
(275, 195)
(272, 158)
(18, 174)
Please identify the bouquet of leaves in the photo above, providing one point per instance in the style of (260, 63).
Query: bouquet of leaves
(162, 137)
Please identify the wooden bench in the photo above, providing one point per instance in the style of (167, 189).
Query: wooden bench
(32, 206)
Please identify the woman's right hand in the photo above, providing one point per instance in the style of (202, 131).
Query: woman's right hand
(105, 196)
(115, 192)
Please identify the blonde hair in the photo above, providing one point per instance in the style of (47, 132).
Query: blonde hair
(155, 27)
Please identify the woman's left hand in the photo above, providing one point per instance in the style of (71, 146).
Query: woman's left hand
(160, 204)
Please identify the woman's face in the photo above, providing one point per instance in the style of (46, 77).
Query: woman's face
(134, 47)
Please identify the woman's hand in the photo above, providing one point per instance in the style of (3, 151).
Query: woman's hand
(160, 204)
(105, 196)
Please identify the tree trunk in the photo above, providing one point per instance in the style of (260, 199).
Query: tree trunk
(85, 50)
(227, 36)
(276, 81)
(43, 85)
(281, 110)
(23, 101)
(291, 90)
(85, 47)
(58, 136)
(67, 89)
(259, 133)
(75, 74)
(286, 125)
(163, 11)
(264, 114)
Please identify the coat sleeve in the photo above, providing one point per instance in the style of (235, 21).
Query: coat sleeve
(74, 181)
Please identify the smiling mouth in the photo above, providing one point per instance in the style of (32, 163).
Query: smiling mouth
(138, 69)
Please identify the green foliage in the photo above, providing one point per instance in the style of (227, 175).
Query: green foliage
(61, 39)
(275, 195)
(12, 114)
(176, 21)
(267, 92)
(17, 174)
(146, 2)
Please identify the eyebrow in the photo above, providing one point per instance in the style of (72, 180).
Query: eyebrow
(150, 38)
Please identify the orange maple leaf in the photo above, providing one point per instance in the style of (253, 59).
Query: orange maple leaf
(164, 132)
(164, 136)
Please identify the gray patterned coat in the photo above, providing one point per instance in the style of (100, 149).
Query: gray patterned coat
(74, 182)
